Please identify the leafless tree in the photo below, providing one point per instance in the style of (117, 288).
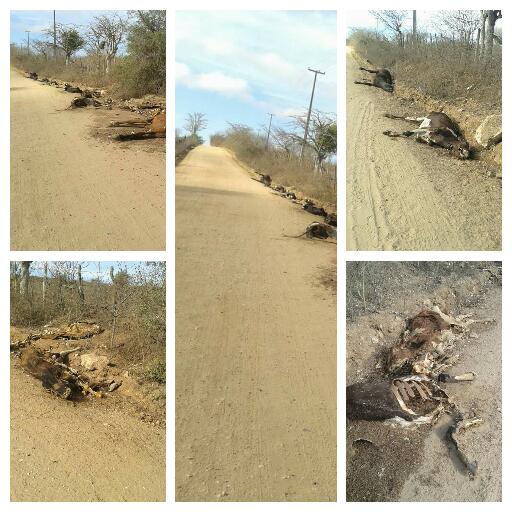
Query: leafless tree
(45, 282)
(120, 294)
(44, 48)
(80, 285)
(283, 139)
(392, 20)
(322, 135)
(94, 47)
(105, 35)
(462, 24)
(195, 123)
(14, 274)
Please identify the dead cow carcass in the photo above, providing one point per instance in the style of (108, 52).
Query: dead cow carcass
(155, 128)
(435, 129)
(82, 102)
(263, 178)
(317, 230)
(55, 378)
(410, 388)
(382, 79)
(315, 210)
(71, 331)
(331, 219)
(72, 89)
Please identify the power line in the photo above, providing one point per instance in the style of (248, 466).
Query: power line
(317, 72)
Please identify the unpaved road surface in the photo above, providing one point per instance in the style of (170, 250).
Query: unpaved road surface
(255, 342)
(88, 451)
(402, 195)
(71, 191)
(412, 464)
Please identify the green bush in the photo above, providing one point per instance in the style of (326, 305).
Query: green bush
(142, 71)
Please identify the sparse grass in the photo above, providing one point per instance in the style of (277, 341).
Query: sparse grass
(76, 72)
(285, 169)
(139, 72)
(156, 372)
(442, 69)
(372, 285)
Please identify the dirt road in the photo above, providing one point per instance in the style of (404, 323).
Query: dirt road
(90, 451)
(71, 191)
(255, 342)
(402, 195)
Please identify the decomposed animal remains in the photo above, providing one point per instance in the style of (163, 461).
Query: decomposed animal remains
(435, 129)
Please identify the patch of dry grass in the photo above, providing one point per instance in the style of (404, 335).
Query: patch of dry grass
(440, 68)
(284, 169)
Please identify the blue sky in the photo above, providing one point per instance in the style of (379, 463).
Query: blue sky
(37, 21)
(94, 269)
(237, 66)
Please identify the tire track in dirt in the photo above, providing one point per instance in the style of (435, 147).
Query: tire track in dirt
(374, 218)
(405, 196)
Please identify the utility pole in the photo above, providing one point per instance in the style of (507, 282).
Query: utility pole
(54, 38)
(268, 132)
(316, 71)
(28, 41)
(414, 28)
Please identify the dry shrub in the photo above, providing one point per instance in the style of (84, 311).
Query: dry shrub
(81, 71)
(285, 168)
(182, 145)
(441, 68)
(140, 330)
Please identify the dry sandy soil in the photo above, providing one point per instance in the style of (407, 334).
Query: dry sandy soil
(72, 191)
(386, 462)
(402, 195)
(255, 341)
(92, 450)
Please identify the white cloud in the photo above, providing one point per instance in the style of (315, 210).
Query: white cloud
(260, 56)
(214, 81)
(217, 46)
(219, 82)
(290, 112)
(181, 71)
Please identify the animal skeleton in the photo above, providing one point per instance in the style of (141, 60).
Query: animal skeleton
(415, 365)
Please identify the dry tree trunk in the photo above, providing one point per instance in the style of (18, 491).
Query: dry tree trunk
(45, 283)
(14, 269)
(483, 20)
(25, 277)
(115, 311)
(81, 294)
(492, 16)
